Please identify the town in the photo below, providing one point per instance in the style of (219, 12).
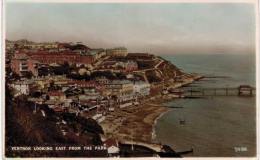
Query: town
(96, 83)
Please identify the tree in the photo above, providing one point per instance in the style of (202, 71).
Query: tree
(28, 74)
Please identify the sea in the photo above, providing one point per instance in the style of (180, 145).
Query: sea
(220, 126)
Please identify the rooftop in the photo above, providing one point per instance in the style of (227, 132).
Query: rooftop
(111, 142)
(56, 93)
(121, 82)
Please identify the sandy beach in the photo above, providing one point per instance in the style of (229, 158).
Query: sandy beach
(134, 123)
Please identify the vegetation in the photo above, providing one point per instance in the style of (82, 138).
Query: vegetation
(153, 76)
(26, 126)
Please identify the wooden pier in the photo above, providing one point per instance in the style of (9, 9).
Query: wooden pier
(242, 90)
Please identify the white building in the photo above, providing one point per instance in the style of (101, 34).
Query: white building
(123, 89)
(112, 147)
(141, 88)
(102, 80)
(23, 87)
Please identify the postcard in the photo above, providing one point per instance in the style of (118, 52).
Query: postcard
(86, 79)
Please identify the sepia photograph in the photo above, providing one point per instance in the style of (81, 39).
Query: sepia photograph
(86, 79)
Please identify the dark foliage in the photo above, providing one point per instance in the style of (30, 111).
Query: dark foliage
(106, 74)
(26, 126)
(152, 77)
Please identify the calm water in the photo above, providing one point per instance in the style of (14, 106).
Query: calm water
(214, 126)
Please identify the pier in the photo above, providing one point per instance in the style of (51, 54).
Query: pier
(242, 90)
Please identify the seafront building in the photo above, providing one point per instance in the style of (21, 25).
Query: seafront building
(141, 88)
(122, 89)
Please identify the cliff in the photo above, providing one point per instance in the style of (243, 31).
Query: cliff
(163, 70)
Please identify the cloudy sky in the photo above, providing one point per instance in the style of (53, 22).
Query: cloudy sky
(166, 28)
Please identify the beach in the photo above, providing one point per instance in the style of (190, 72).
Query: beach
(133, 123)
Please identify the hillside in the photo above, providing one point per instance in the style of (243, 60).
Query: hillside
(163, 71)
(46, 128)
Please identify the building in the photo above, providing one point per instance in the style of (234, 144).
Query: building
(57, 96)
(112, 147)
(90, 95)
(117, 52)
(102, 80)
(24, 87)
(121, 66)
(61, 58)
(22, 64)
(122, 89)
(86, 84)
(43, 83)
(141, 88)
(127, 66)
(42, 46)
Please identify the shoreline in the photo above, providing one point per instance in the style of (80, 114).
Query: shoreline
(155, 123)
(137, 123)
(136, 126)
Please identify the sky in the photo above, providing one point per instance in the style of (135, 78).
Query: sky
(164, 28)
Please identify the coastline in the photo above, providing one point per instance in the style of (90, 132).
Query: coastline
(155, 123)
(137, 123)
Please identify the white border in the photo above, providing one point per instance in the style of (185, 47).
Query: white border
(2, 57)
(2, 88)
(132, 1)
(257, 78)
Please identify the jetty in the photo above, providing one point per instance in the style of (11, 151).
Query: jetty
(242, 90)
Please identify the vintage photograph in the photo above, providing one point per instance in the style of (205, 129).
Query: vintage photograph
(121, 79)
